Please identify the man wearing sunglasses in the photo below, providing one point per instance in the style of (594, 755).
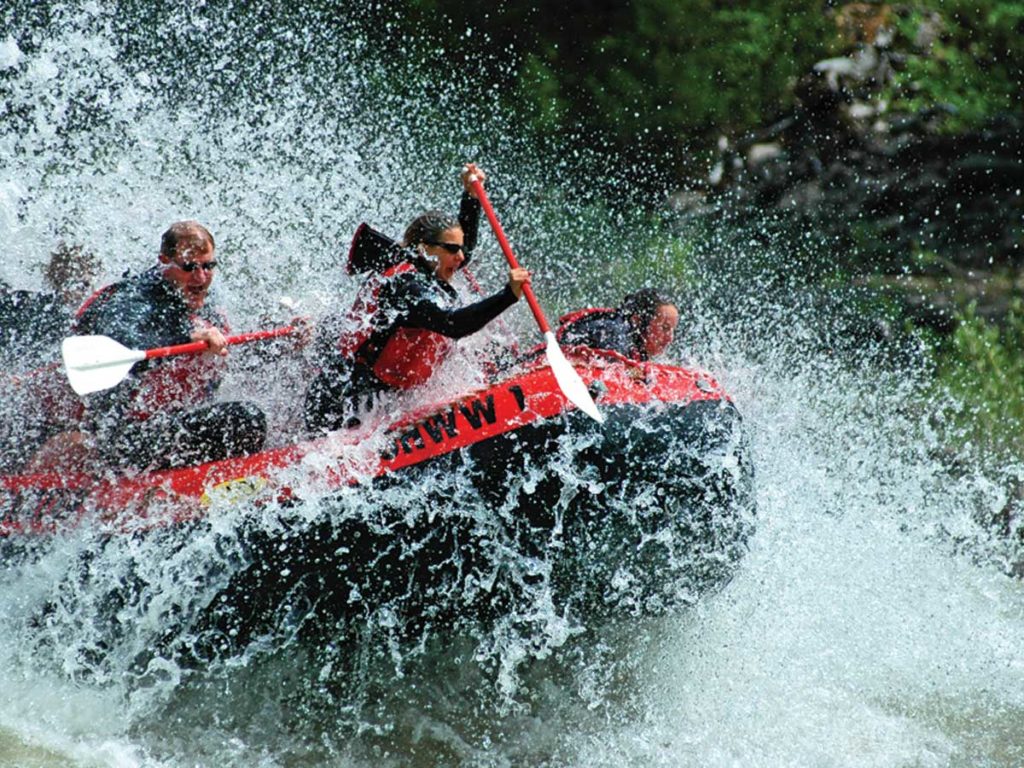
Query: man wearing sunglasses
(163, 413)
(402, 325)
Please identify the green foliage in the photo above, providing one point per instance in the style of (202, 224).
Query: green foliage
(662, 260)
(654, 83)
(653, 80)
(964, 55)
(701, 67)
(589, 253)
(983, 366)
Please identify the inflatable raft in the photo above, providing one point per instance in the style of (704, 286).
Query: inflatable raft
(633, 515)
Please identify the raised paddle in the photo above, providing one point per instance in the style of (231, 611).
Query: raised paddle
(93, 363)
(570, 382)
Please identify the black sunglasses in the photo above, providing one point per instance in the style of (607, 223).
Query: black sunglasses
(450, 247)
(192, 266)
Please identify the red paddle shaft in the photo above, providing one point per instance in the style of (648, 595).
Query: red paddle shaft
(481, 195)
(200, 346)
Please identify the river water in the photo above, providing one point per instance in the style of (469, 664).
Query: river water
(871, 623)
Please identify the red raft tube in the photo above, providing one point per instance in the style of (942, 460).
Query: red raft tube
(663, 489)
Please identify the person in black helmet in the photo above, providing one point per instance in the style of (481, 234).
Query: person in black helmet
(640, 328)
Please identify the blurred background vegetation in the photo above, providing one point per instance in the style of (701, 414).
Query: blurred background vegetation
(871, 151)
(891, 130)
(664, 80)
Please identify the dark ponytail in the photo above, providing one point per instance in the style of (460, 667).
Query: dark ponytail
(427, 228)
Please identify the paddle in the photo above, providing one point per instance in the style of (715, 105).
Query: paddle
(93, 363)
(570, 382)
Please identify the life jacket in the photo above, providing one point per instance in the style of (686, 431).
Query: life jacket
(179, 382)
(403, 358)
(167, 384)
(601, 328)
(364, 308)
(410, 357)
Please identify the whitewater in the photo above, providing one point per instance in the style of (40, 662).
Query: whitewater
(874, 620)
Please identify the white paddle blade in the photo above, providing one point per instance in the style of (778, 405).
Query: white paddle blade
(569, 381)
(93, 363)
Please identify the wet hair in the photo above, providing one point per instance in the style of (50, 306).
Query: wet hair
(70, 265)
(183, 231)
(643, 305)
(428, 226)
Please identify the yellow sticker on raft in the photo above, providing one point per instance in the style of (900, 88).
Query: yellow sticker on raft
(233, 491)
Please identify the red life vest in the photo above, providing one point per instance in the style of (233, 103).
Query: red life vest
(360, 326)
(172, 383)
(408, 357)
(180, 382)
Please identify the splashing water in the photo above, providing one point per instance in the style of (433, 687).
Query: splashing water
(872, 621)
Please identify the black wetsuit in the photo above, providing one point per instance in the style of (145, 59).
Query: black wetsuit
(412, 299)
(155, 418)
(31, 328)
(603, 329)
(469, 221)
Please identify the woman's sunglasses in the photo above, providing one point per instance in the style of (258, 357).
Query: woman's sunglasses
(450, 247)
